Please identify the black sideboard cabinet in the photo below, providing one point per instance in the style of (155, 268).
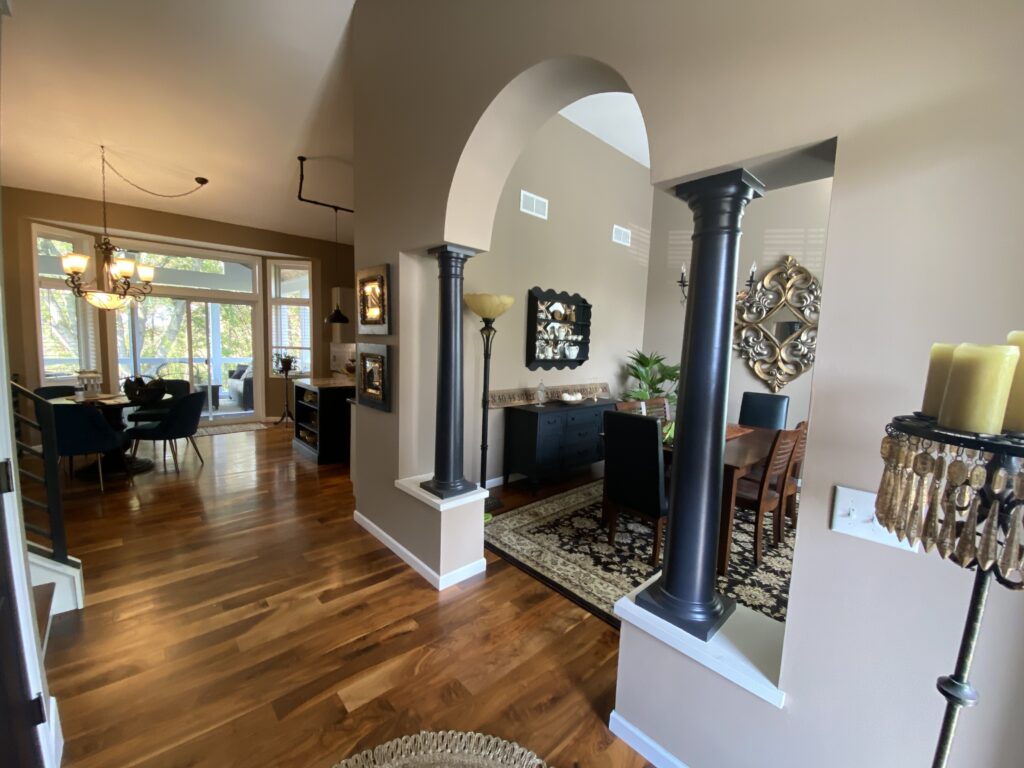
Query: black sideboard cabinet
(323, 419)
(543, 442)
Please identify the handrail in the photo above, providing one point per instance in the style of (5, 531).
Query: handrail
(45, 424)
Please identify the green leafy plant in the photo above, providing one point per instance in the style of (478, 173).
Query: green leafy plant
(654, 378)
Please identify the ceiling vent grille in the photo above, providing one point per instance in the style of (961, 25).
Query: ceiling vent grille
(535, 205)
(621, 235)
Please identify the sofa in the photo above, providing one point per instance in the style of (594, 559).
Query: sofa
(239, 385)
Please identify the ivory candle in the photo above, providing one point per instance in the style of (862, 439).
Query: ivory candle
(1015, 407)
(978, 388)
(938, 373)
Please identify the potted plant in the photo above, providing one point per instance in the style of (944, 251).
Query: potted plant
(283, 363)
(654, 378)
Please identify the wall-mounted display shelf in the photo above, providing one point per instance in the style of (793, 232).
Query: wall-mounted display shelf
(557, 329)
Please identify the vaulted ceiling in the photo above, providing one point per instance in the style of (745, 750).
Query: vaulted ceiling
(232, 90)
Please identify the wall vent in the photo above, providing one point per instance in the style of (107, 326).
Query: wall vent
(621, 235)
(535, 205)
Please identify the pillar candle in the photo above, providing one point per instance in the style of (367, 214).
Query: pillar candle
(1015, 407)
(978, 388)
(935, 384)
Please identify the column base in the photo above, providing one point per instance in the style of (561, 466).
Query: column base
(445, 490)
(702, 620)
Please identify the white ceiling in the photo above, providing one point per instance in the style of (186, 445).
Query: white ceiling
(616, 120)
(232, 90)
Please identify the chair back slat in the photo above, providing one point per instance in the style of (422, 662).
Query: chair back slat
(634, 462)
(630, 406)
(778, 459)
(659, 407)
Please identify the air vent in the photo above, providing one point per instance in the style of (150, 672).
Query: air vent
(621, 235)
(535, 205)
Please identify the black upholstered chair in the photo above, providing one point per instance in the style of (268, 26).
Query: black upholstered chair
(176, 388)
(180, 422)
(82, 430)
(761, 409)
(55, 390)
(634, 473)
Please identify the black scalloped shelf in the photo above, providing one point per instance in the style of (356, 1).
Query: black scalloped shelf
(538, 317)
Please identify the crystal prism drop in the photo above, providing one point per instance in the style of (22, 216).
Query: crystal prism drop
(967, 545)
(947, 536)
(1009, 561)
(987, 547)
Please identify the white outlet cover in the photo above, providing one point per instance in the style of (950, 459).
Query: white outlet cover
(853, 513)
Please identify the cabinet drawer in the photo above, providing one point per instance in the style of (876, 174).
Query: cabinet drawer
(584, 417)
(550, 423)
(583, 453)
(587, 434)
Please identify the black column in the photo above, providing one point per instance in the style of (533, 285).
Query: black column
(448, 479)
(685, 594)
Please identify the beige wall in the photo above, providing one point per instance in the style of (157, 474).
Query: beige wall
(22, 207)
(791, 220)
(923, 229)
(589, 187)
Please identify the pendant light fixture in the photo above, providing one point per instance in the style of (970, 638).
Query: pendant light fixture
(113, 288)
(337, 317)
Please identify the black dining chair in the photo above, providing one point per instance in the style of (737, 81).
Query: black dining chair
(180, 422)
(51, 391)
(83, 430)
(634, 473)
(760, 409)
(176, 388)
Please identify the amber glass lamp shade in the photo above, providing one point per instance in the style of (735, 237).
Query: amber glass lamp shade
(105, 300)
(488, 305)
(74, 263)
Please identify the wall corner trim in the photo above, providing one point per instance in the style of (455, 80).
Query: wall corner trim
(439, 581)
(746, 651)
(641, 743)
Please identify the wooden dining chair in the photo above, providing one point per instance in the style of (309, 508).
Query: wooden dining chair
(631, 406)
(793, 471)
(766, 495)
(658, 407)
(634, 473)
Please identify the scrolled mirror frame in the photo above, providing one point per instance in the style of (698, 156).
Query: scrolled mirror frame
(777, 362)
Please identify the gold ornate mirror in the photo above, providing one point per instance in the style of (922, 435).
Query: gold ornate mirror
(776, 328)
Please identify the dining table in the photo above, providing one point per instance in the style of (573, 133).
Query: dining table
(112, 406)
(745, 448)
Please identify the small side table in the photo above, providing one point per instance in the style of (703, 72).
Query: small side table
(214, 394)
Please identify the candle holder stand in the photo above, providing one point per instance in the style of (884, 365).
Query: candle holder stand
(961, 494)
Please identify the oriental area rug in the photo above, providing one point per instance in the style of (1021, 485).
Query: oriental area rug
(562, 541)
(448, 749)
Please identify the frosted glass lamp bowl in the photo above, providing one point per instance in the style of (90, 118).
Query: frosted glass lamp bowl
(488, 305)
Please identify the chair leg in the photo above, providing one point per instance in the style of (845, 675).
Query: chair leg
(778, 521)
(165, 453)
(99, 465)
(659, 536)
(174, 455)
(135, 448)
(128, 471)
(192, 439)
(613, 523)
(759, 534)
(791, 508)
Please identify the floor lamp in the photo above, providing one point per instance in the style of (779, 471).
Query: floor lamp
(488, 307)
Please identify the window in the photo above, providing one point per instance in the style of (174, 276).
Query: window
(621, 235)
(535, 205)
(67, 325)
(290, 312)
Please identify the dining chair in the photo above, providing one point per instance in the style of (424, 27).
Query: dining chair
(658, 407)
(180, 422)
(766, 494)
(83, 430)
(630, 406)
(176, 388)
(634, 473)
(760, 409)
(51, 391)
(793, 472)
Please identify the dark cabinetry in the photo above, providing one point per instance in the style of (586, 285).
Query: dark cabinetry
(323, 419)
(543, 442)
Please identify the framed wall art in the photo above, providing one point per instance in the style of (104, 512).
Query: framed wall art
(373, 299)
(373, 376)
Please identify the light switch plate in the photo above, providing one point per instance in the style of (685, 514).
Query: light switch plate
(853, 513)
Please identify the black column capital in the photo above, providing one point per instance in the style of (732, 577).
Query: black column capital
(448, 479)
(686, 594)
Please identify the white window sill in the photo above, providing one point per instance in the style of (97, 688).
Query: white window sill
(746, 651)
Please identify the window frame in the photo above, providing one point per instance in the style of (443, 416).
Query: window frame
(89, 353)
(273, 301)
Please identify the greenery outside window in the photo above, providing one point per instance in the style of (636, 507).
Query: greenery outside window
(291, 312)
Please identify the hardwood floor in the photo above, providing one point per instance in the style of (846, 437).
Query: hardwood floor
(237, 616)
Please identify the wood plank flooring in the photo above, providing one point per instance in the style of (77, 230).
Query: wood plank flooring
(237, 616)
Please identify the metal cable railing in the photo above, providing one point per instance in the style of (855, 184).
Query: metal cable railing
(30, 457)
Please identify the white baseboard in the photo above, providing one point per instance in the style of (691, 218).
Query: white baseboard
(68, 581)
(641, 743)
(495, 482)
(53, 737)
(437, 580)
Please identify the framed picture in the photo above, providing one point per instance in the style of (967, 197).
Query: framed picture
(373, 376)
(373, 298)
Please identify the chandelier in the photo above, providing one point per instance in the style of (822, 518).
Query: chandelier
(113, 287)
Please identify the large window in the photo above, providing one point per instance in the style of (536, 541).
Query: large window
(290, 310)
(67, 325)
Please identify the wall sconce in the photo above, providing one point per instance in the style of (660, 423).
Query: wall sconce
(683, 283)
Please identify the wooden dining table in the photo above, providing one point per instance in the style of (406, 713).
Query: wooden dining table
(745, 448)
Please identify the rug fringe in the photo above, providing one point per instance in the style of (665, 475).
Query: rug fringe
(454, 743)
